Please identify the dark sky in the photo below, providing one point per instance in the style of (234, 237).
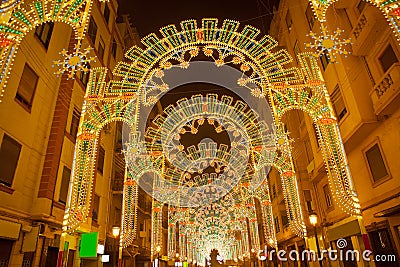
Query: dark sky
(150, 15)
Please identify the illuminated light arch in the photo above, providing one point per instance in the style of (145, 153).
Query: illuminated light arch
(20, 17)
(140, 83)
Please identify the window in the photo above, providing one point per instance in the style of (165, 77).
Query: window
(92, 30)
(310, 16)
(308, 199)
(9, 155)
(5, 252)
(100, 49)
(285, 221)
(27, 87)
(289, 21)
(277, 226)
(316, 135)
(27, 261)
(338, 103)
(66, 175)
(324, 59)
(43, 32)
(388, 58)
(114, 49)
(106, 13)
(95, 209)
(376, 163)
(100, 162)
(361, 5)
(84, 76)
(273, 191)
(76, 115)
(328, 198)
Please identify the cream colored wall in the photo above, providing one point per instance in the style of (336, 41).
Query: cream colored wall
(31, 130)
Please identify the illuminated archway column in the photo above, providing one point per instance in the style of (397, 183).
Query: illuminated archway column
(129, 211)
(312, 97)
(156, 231)
(339, 176)
(171, 245)
(99, 109)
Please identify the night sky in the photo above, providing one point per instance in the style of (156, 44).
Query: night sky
(149, 16)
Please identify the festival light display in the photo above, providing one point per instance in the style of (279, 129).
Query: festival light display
(141, 82)
(222, 221)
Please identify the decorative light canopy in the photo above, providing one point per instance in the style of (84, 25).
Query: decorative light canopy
(160, 152)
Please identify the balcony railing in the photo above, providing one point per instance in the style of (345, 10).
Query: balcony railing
(367, 29)
(385, 95)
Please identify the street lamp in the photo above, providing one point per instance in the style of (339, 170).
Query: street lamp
(115, 232)
(313, 221)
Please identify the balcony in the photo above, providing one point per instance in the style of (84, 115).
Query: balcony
(366, 31)
(385, 95)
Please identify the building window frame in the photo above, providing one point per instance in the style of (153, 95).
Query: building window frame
(328, 196)
(388, 176)
(106, 13)
(74, 126)
(381, 52)
(9, 182)
(101, 49)
(310, 16)
(335, 96)
(114, 48)
(65, 179)
(19, 96)
(101, 160)
(44, 32)
(84, 76)
(92, 31)
(324, 58)
(96, 208)
(361, 5)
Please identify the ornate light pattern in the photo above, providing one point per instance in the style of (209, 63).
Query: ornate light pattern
(331, 44)
(17, 18)
(78, 60)
(140, 83)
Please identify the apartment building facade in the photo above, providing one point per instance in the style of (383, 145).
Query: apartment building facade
(363, 88)
(39, 119)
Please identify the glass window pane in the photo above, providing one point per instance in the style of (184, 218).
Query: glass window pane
(388, 58)
(100, 163)
(9, 155)
(66, 175)
(27, 86)
(376, 163)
